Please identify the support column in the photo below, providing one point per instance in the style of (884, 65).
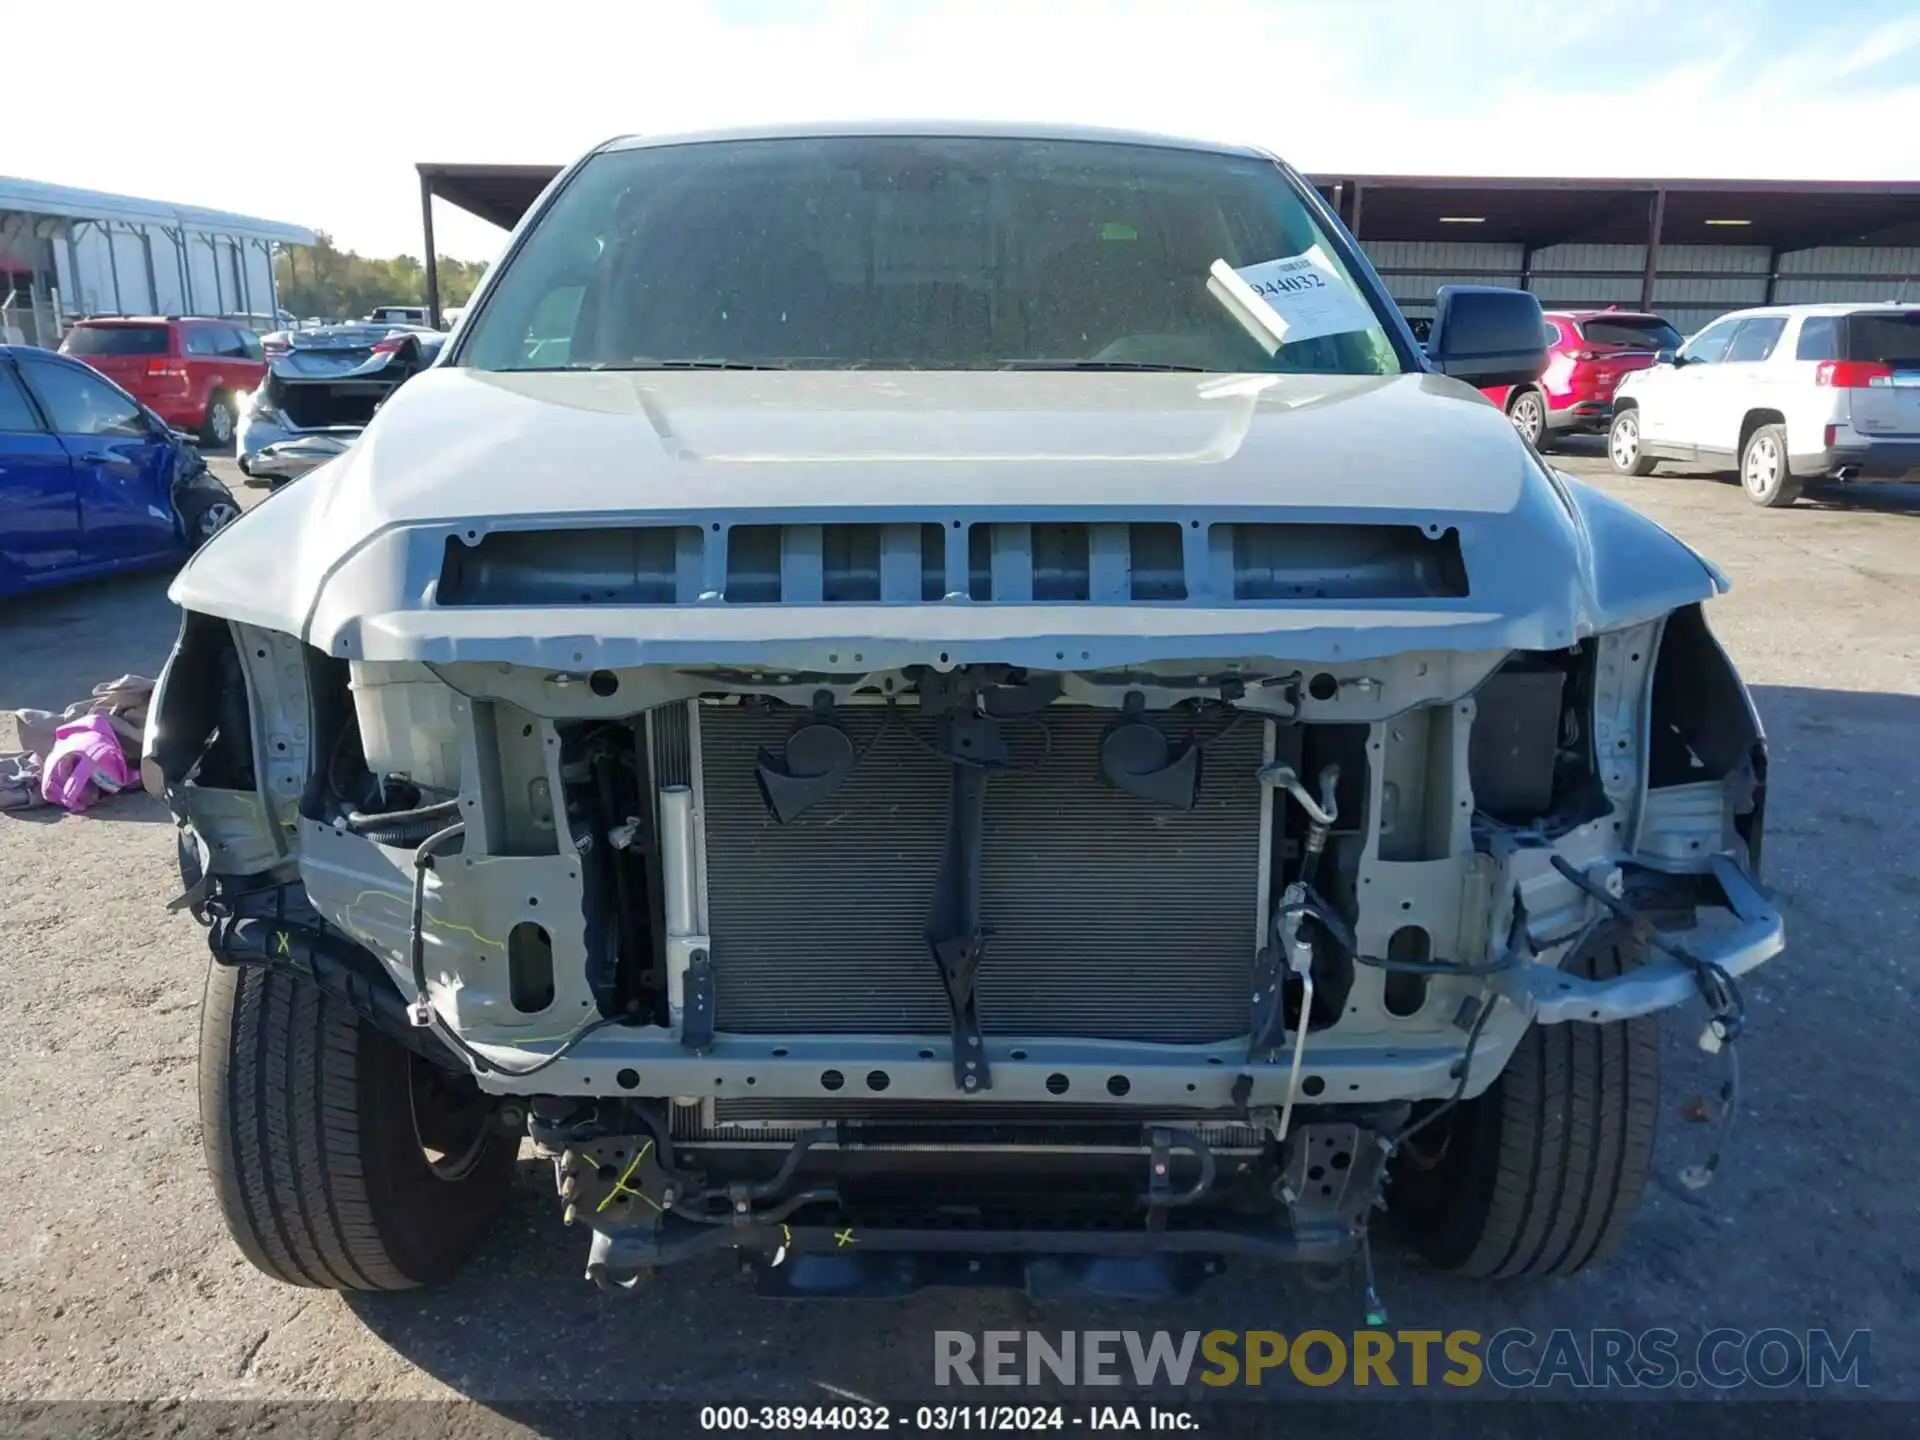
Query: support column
(1526, 266)
(146, 260)
(77, 302)
(1359, 194)
(433, 263)
(1656, 220)
(113, 267)
(1773, 274)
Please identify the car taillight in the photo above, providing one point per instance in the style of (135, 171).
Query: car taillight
(165, 367)
(1582, 354)
(1853, 374)
(275, 352)
(391, 345)
(1831, 434)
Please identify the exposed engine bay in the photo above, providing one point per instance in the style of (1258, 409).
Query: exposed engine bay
(977, 965)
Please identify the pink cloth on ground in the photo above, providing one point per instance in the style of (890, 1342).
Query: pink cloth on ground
(85, 752)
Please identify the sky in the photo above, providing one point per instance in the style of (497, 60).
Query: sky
(316, 114)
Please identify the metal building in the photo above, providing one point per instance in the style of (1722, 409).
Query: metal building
(1690, 249)
(68, 253)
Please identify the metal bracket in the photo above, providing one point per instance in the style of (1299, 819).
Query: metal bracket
(696, 1019)
(955, 934)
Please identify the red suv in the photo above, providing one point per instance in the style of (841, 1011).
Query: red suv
(190, 372)
(1588, 351)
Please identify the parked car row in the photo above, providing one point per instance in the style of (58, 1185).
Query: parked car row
(1786, 394)
(321, 387)
(1588, 353)
(1783, 394)
(92, 481)
(189, 371)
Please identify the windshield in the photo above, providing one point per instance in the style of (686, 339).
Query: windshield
(1638, 332)
(115, 340)
(928, 253)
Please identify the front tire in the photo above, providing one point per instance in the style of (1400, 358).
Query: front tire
(1765, 474)
(1540, 1174)
(205, 513)
(339, 1159)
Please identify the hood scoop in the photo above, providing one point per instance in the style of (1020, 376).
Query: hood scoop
(915, 561)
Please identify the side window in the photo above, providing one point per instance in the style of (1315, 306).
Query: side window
(1819, 338)
(82, 404)
(16, 411)
(233, 343)
(202, 340)
(249, 344)
(1553, 334)
(1710, 345)
(1755, 338)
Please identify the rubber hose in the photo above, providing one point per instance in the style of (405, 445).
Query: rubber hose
(405, 836)
(432, 816)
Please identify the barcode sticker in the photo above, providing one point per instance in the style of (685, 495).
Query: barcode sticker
(1307, 296)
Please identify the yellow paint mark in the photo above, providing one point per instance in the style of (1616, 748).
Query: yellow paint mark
(620, 1185)
(282, 944)
(431, 923)
(844, 1238)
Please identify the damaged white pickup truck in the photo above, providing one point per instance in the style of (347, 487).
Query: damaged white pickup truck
(951, 706)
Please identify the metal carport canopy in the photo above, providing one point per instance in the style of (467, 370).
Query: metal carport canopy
(1537, 212)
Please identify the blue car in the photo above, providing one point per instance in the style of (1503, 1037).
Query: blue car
(91, 481)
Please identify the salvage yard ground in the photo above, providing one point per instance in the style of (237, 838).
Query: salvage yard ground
(118, 1280)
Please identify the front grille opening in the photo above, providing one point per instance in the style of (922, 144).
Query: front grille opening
(1157, 563)
(980, 562)
(753, 565)
(1060, 562)
(1346, 562)
(636, 565)
(834, 564)
(1016, 563)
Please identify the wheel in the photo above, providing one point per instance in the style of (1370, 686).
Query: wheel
(1764, 472)
(1540, 1174)
(339, 1158)
(206, 512)
(1528, 412)
(217, 429)
(1623, 445)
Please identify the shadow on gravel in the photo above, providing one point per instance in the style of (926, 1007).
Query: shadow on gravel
(132, 807)
(1875, 499)
(522, 1332)
(60, 644)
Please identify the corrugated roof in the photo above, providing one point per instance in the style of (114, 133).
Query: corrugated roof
(1534, 210)
(35, 197)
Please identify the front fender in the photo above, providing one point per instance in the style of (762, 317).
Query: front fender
(1637, 570)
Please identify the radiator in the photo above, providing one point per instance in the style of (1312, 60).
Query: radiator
(1110, 917)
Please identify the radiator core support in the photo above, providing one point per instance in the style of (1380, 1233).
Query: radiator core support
(1104, 915)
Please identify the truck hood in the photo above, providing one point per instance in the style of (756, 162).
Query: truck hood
(351, 558)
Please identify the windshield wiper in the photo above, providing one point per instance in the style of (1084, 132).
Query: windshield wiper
(702, 365)
(1142, 365)
(585, 365)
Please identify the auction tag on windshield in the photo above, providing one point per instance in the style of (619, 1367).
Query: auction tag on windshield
(1307, 296)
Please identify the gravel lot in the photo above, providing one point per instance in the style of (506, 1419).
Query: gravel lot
(121, 1282)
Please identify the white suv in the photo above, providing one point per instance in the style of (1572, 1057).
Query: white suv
(1788, 393)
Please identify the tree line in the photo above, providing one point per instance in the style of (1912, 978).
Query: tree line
(334, 284)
